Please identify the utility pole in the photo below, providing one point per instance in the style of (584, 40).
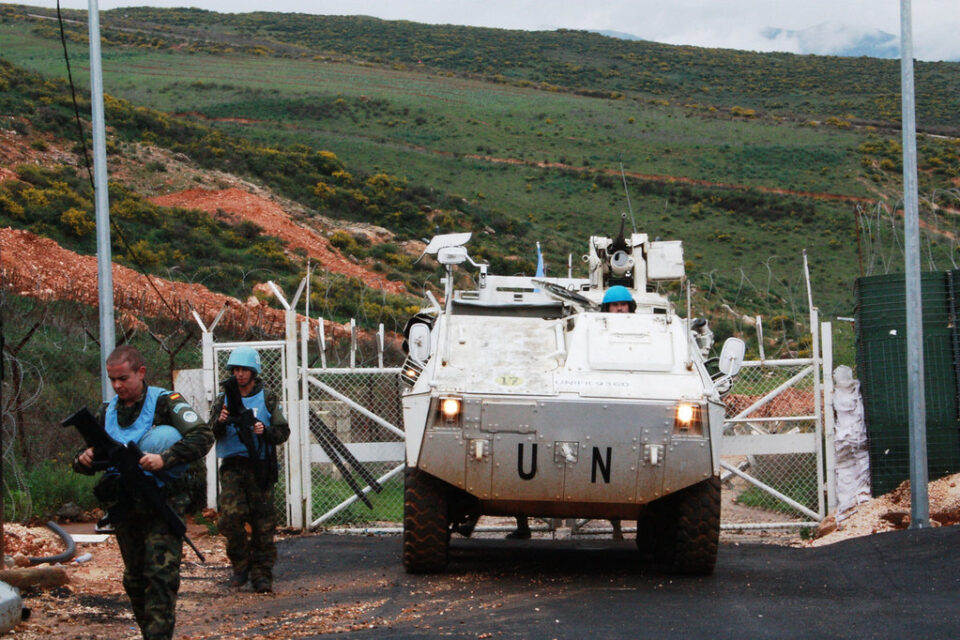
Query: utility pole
(104, 258)
(919, 499)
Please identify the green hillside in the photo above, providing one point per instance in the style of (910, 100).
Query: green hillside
(578, 61)
(748, 158)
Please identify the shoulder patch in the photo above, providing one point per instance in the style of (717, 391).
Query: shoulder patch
(175, 396)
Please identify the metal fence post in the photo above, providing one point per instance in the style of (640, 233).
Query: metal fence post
(828, 417)
(916, 399)
(380, 346)
(299, 476)
(209, 363)
(304, 411)
(818, 405)
(353, 343)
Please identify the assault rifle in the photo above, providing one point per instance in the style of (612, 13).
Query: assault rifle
(244, 419)
(125, 458)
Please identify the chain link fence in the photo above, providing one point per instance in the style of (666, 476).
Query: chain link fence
(773, 400)
(355, 433)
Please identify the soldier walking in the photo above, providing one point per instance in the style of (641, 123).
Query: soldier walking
(172, 435)
(248, 471)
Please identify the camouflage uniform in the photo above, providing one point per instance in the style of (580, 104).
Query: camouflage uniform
(243, 501)
(151, 553)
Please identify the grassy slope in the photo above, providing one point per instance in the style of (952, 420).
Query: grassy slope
(780, 83)
(425, 126)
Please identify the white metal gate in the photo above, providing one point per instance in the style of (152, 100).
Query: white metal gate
(356, 457)
(344, 443)
(774, 457)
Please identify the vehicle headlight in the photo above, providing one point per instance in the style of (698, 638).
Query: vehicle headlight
(687, 419)
(449, 411)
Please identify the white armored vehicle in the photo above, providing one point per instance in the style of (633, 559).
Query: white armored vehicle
(523, 397)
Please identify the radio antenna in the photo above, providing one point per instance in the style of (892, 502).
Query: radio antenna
(623, 177)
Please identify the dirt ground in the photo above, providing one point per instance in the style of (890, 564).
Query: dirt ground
(891, 512)
(238, 205)
(39, 267)
(93, 605)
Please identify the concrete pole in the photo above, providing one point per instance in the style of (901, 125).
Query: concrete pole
(919, 499)
(108, 338)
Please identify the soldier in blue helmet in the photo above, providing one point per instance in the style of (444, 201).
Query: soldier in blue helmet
(246, 494)
(617, 299)
(171, 436)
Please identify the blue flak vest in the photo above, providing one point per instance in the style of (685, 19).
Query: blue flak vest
(229, 445)
(136, 431)
(140, 426)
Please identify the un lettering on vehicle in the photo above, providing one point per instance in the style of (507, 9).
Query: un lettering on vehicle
(528, 468)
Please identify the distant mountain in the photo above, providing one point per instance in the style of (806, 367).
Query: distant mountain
(836, 40)
(832, 39)
(618, 34)
(822, 39)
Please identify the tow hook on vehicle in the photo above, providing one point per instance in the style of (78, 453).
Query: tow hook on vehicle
(480, 448)
(653, 453)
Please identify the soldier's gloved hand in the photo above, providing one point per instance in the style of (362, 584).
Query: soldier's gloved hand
(151, 462)
(86, 458)
(258, 428)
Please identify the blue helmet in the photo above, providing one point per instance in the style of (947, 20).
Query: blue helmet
(246, 357)
(157, 440)
(618, 293)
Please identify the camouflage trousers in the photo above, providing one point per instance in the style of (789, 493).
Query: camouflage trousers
(243, 502)
(151, 574)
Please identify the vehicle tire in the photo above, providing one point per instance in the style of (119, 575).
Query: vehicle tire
(685, 529)
(426, 536)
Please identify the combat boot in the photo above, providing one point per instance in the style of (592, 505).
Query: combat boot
(238, 580)
(262, 585)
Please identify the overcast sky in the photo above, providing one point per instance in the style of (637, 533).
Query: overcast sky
(735, 24)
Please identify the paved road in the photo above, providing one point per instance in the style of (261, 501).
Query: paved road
(893, 585)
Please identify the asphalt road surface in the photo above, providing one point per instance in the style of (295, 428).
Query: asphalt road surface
(903, 584)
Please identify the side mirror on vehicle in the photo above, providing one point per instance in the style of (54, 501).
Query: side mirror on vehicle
(418, 342)
(731, 357)
(729, 363)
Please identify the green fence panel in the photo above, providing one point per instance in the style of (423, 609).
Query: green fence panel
(882, 370)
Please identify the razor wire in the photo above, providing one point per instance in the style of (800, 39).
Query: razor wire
(881, 233)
